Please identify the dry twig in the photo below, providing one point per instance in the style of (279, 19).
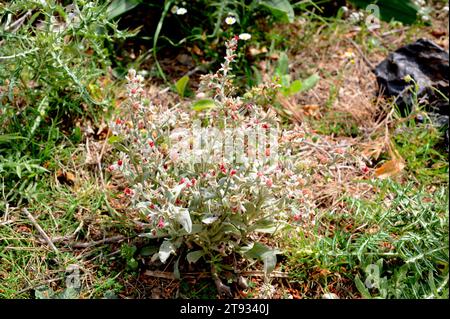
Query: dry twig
(41, 231)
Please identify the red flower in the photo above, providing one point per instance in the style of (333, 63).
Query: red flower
(267, 151)
(365, 170)
(128, 191)
(265, 126)
(269, 182)
(297, 217)
(119, 162)
(193, 181)
(119, 122)
(222, 168)
(151, 143)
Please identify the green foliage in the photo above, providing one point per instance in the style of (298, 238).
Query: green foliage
(404, 238)
(205, 104)
(280, 9)
(400, 10)
(127, 252)
(181, 85)
(283, 77)
(204, 26)
(52, 60)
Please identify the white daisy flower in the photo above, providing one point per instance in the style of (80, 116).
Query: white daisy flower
(181, 11)
(230, 20)
(245, 36)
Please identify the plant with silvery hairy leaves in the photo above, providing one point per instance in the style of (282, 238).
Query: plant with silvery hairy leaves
(210, 203)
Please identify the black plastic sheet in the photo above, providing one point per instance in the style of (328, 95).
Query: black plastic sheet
(428, 65)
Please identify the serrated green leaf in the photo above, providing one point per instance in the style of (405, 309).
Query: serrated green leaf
(181, 84)
(202, 105)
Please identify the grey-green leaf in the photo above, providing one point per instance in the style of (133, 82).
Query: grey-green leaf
(309, 83)
(270, 261)
(165, 250)
(194, 256)
(184, 218)
(209, 219)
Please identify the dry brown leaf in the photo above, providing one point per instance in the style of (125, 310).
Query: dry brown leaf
(311, 109)
(392, 167)
(197, 50)
(290, 108)
(254, 51)
(65, 177)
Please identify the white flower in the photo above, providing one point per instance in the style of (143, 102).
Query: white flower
(349, 54)
(230, 20)
(445, 9)
(181, 11)
(245, 36)
(355, 17)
